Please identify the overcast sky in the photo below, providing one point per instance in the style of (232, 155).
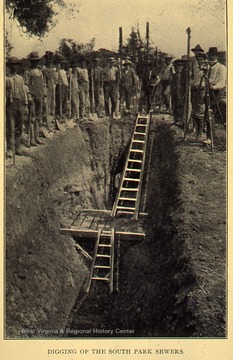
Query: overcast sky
(101, 19)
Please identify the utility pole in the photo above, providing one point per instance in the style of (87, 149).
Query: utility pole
(120, 47)
(147, 40)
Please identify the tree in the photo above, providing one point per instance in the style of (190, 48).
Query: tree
(70, 49)
(8, 46)
(134, 46)
(37, 16)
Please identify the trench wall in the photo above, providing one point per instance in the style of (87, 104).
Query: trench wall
(45, 190)
(156, 275)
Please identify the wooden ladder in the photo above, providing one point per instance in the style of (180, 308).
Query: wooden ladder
(102, 268)
(129, 191)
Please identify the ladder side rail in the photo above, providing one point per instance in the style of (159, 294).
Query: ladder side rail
(137, 205)
(94, 260)
(112, 251)
(114, 209)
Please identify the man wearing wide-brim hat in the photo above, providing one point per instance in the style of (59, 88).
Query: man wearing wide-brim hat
(194, 65)
(49, 79)
(217, 81)
(166, 75)
(198, 94)
(97, 84)
(197, 49)
(217, 76)
(33, 78)
(110, 85)
(16, 106)
(83, 84)
(127, 84)
(74, 90)
(61, 87)
(145, 93)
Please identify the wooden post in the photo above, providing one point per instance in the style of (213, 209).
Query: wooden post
(120, 47)
(187, 97)
(147, 40)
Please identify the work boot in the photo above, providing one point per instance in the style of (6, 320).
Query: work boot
(32, 136)
(37, 139)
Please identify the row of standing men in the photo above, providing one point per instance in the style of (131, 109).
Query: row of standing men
(72, 91)
(207, 81)
(46, 92)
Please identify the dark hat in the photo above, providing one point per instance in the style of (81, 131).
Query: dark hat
(13, 60)
(33, 56)
(178, 62)
(213, 51)
(127, 62)
(201, 55)
(96, 59)
(48, 55)
(197, 48)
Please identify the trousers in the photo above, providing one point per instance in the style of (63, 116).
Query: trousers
(110, 93)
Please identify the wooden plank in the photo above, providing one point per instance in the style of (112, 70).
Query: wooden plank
(97, 211)
(83, 251)
(92, 234)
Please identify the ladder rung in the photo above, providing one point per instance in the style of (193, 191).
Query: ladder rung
(129, 189)
(103, 256)
(134, 160)
(139, 133)
(141, 125)
(125, 208)
(125, 212)
(99, 278)
(133, 170)
(131, 179)
(136, 150)
(139, 141)
(102, 267)
(104, 245)
(127, 199)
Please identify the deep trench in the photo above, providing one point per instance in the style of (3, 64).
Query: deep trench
(154, 274)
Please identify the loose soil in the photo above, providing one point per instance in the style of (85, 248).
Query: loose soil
(171, 285)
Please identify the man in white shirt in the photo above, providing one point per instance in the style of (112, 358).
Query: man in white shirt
(33, 78)
(83, 84)
(62, 87)
(16, 106)
(49, 79)
(110, 83)
(217, 81)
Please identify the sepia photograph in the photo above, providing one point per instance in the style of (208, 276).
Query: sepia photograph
(115, 126)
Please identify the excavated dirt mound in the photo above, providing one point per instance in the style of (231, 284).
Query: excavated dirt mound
(172, 284)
